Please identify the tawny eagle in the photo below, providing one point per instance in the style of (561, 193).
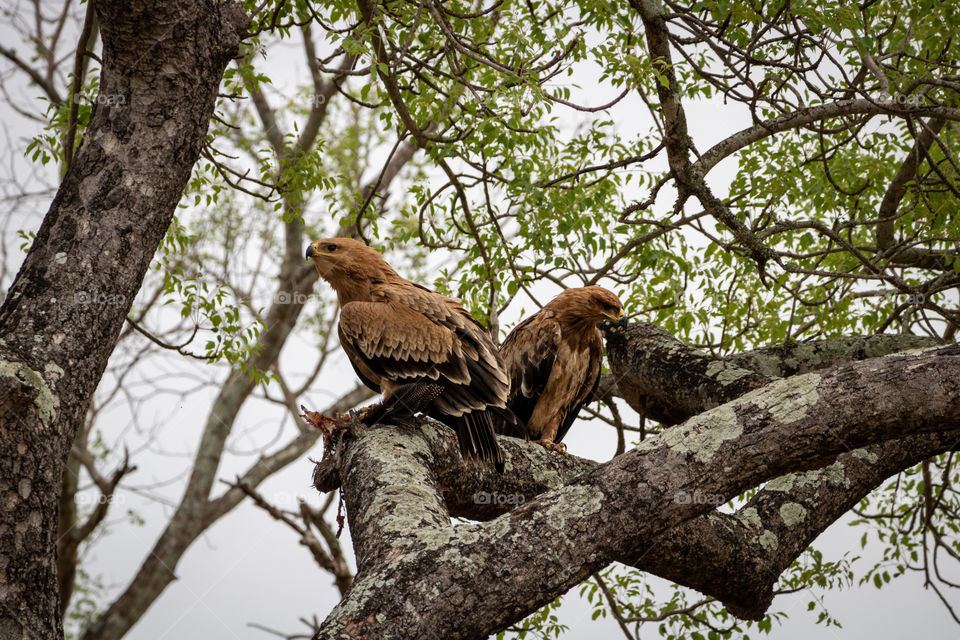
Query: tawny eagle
(553, 359)
(421, 349)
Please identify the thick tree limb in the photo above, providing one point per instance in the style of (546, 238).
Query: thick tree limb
(493, 574)
(653, 366)
(736, 558)
(668, 381)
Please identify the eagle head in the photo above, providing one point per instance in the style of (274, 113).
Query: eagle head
(344, 256)
(349, 266)
(588, 306)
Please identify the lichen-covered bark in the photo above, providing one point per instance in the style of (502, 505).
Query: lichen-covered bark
(666, 380)
(784, 360)
(420, 576)
(736, 558)
(739, 557)
(161, 68)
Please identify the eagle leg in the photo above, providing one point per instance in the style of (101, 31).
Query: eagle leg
(404, 402)
(553, 446)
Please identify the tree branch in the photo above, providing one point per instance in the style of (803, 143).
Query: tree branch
(664, 379)
(736, 558)
(35, 76)
(811, 114)
(677, 139)
(408, 550)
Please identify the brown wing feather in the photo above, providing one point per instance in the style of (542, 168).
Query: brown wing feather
(410, 335)
(369, 378)
(488, 382)
(529, 354)
(589, 384)
(396, 343)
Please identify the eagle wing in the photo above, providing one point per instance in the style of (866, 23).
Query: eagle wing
(551, 376)
(409, 335)
(594, 355)
(486, 382)
(529, 353)
(390, 342)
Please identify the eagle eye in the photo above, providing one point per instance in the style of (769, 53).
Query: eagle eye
(331, 247)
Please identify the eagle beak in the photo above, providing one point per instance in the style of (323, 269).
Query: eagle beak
(620, 317)
(613, 317)
(313, 252)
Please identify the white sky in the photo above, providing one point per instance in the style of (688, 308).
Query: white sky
(249, 568)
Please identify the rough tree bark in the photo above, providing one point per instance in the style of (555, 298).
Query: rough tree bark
(738, 558)
(161, 70)
(664, 379)
(866, 420)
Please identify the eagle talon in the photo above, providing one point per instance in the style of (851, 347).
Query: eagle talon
(554, 446)
(370, 415)
(361, 413)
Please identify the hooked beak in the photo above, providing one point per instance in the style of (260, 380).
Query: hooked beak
(621, 315)
(619, 319)
(312, 251)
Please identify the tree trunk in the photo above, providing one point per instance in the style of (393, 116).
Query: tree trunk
(162, 65)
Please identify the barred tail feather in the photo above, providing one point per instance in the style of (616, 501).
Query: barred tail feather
(477, 439)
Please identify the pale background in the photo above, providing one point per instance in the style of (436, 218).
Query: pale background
(249, 568)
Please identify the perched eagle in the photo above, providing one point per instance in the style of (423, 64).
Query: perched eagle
(553, 359)
(421, 349)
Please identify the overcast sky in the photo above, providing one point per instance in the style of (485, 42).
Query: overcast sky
(250, 569)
